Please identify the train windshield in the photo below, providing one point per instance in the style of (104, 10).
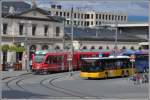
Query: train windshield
(91, 65)
(39, 58)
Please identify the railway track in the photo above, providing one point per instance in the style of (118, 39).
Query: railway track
(47, 83)
(17, 79)
(68, 92)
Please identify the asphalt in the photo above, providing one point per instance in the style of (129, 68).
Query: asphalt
(9, 74)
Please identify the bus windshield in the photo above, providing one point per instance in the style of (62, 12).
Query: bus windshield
(39, 58)
(91, 66)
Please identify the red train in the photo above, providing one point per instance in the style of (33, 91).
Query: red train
(44, 61)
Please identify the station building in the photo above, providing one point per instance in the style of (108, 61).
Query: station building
(30, 30)
(129, 36)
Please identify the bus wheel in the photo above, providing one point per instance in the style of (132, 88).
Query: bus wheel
(106, 75)
(123, 74)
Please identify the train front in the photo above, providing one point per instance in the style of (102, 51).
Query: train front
(38, 62)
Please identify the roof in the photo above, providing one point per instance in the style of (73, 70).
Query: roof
(133, 24)
(44, 12)
(90, 34)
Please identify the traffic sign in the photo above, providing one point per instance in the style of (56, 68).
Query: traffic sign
(132, 58)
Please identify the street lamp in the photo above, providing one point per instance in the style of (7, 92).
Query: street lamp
(149, 38)
(116, 38)
(0, 33)
(1, 44)
(72, 49)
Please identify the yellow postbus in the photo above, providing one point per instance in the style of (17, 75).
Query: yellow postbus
(105, 67)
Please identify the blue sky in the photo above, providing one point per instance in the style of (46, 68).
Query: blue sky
(137, 9)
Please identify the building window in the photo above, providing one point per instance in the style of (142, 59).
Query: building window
(109, 17)
(91, 22)
(75, 15)
(118, 17)
(96, 16)
(60, 13)
(21, 29)
(84, 47)
(99, 23)
(45, 30)
(121, 18)
(96, 22)
(87, 23)
(106, 17)
(75, 22)
(99, 16)
(103, 16)
(115, 17)
(132, 48)
(92, 47)
(68, 14)
(64, 14)
(5, 28)
(45, 47)
(82, 16)
(100, 47)
(81, 23)
(78, 15)
(87, 16)
(57, 31)
(67, 21)
(112, 17)
(91, 16)
(78, 22)
(107, 48)
(57, 47)
(124, 18)
(33, 29)
(57, 13)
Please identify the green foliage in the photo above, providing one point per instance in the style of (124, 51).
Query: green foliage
(5, 47)
(12, 48)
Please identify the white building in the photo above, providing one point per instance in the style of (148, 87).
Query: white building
(36, 28)
(83, 18)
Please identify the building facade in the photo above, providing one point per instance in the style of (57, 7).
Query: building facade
(129, 36)
(33, 29)
(83, 18)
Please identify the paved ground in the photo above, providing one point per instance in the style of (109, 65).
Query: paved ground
(61, 85)
(8, 74)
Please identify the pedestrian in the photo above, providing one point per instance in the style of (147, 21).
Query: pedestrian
(138, 78)
(30, 65)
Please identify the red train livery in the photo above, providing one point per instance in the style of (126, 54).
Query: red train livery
(44, 61)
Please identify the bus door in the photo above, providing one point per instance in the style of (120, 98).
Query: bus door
(108, 66)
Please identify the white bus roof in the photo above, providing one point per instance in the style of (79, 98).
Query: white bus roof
(110, 57)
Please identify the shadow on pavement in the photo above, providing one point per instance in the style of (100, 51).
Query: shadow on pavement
(15, 94)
